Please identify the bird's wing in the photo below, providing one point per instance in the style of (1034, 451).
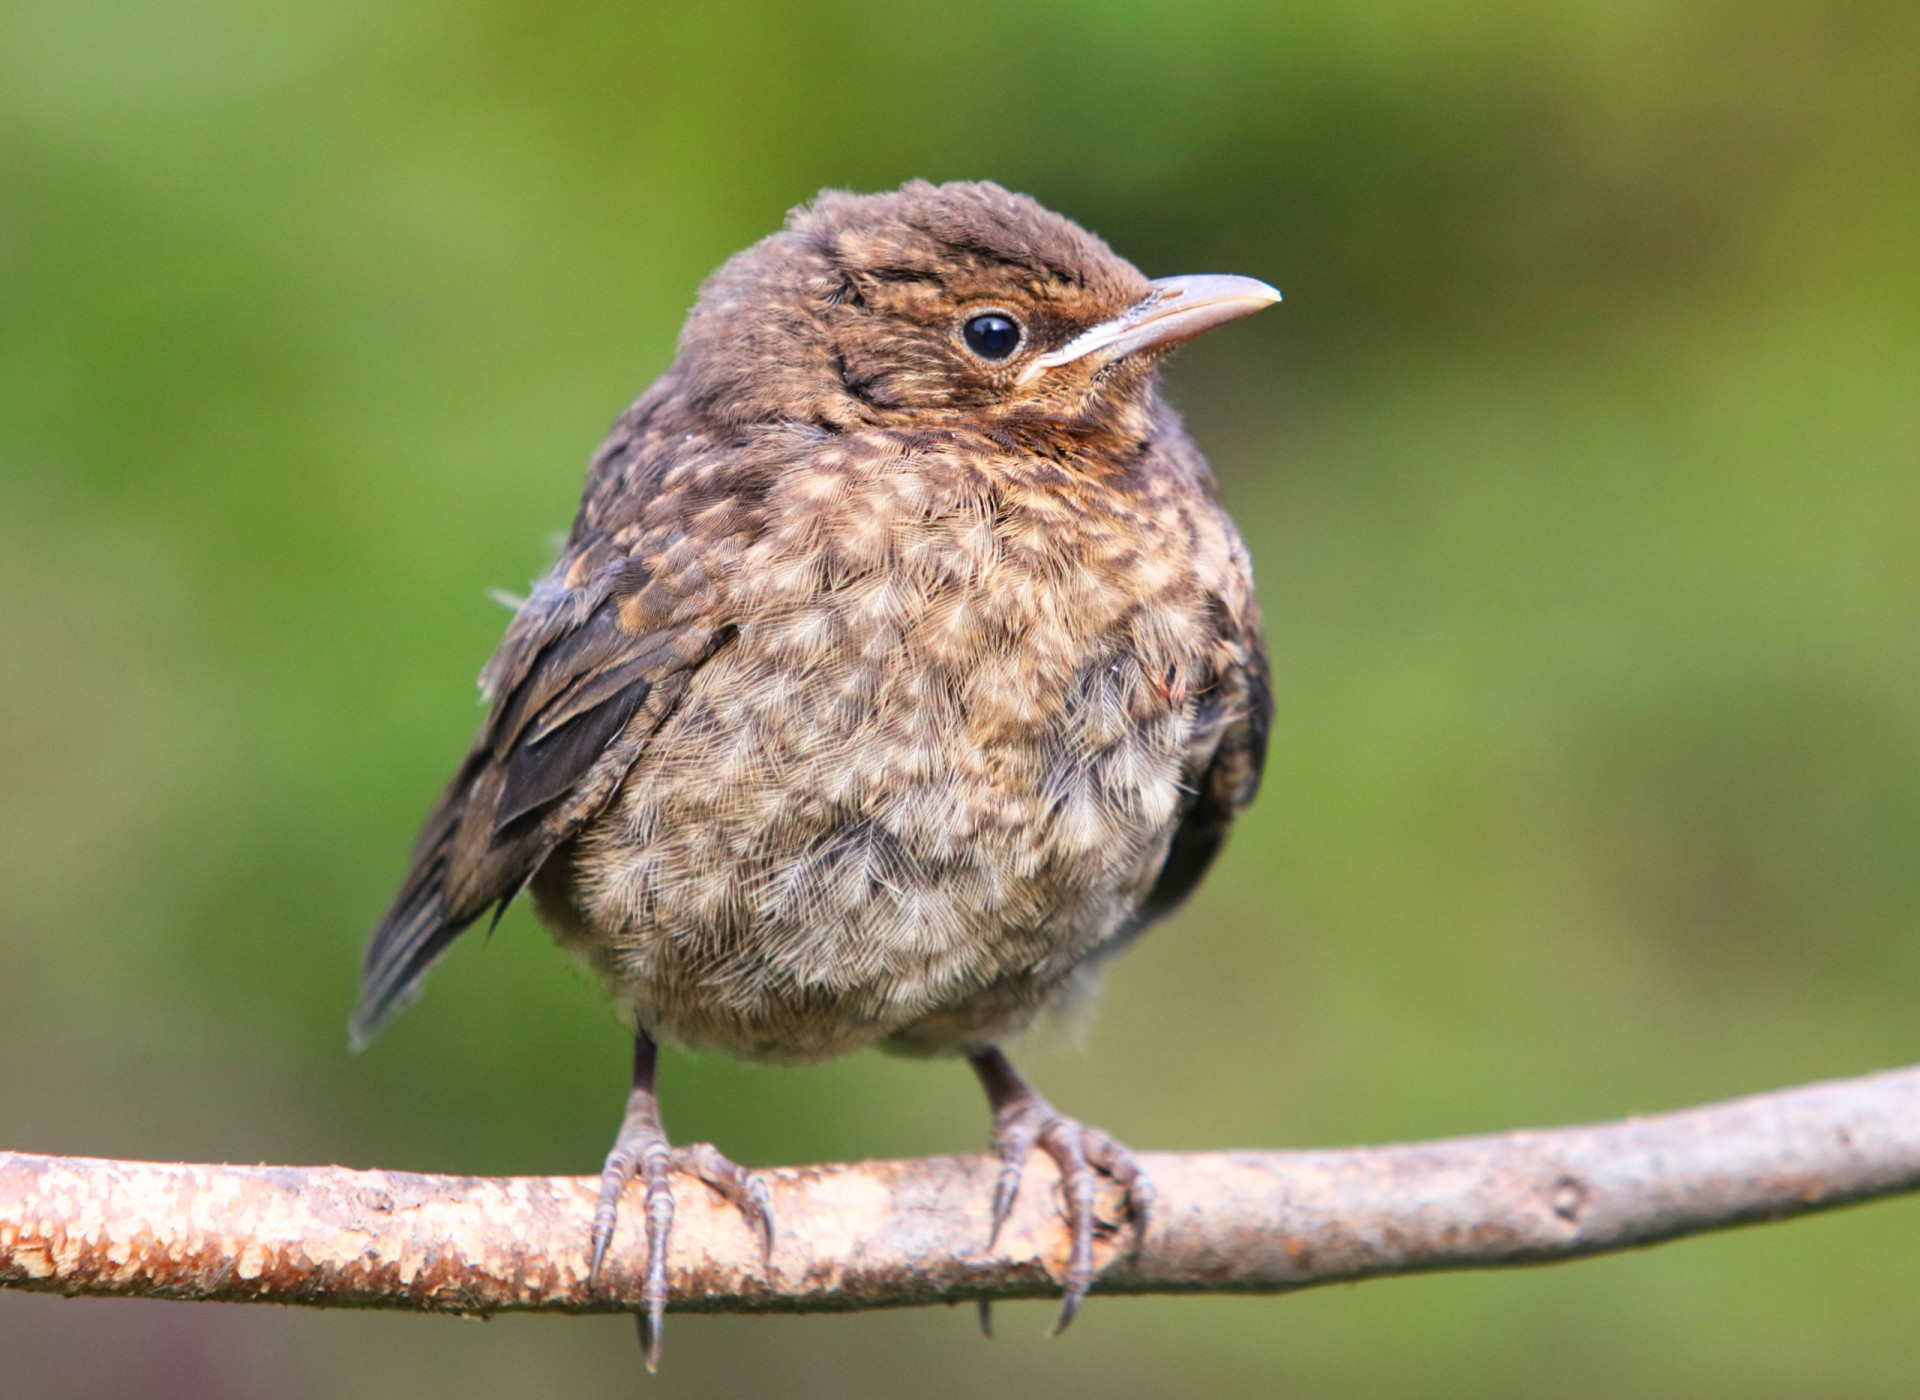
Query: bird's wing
(593, 663)
(1227, 755)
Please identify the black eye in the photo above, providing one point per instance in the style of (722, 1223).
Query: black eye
(992, 336)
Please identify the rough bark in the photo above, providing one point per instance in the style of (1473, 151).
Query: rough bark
(889, 1234)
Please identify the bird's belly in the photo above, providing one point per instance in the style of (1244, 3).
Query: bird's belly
(816, 855)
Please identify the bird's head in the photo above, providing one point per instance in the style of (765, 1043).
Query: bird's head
(938, 302)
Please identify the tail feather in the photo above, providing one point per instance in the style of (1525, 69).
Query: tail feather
(415, 932)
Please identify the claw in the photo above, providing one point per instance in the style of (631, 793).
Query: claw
(623, 1163)
(1013, 1143)
(1069, 1310)
(1061, 1140)
(650, 1324)
(657, 1164)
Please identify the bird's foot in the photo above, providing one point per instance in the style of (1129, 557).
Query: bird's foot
(642, 1150)
(1022, 1120)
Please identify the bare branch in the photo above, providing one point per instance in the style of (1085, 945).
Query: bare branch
(889, 1234)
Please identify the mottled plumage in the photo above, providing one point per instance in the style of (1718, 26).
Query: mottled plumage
(882, 687)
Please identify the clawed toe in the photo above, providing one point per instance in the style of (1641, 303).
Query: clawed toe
(746, 1190)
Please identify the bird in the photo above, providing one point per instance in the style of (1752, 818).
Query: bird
(900, 668)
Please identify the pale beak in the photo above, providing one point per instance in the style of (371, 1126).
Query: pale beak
(1176, 309)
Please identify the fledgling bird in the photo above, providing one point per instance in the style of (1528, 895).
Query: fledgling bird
(900, 668)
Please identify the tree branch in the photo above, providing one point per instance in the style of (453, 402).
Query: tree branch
(889, 1234)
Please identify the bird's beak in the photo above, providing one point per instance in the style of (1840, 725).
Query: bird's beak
(1175, 309)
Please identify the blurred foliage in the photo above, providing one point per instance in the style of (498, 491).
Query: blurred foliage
(1579, 466)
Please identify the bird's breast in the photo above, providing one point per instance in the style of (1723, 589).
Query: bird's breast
(993, 624)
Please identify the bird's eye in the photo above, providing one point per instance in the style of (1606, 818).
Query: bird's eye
(992, 335)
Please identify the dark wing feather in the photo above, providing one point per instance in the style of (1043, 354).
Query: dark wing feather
(546, 765)
(1230, 782)
(572, 685)
(1230, 746)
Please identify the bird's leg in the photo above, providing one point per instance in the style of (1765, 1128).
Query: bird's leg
(642, 1150)
(1021, 1119)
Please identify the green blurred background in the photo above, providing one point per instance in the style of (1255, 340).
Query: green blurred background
(1582, 472)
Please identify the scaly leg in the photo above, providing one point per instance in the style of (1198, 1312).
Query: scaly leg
(642, 1150)
(1021, 1119)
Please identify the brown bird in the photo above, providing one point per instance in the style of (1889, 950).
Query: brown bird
(901, 667)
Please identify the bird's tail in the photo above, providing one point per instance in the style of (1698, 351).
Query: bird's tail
(420, 924)
(414, 932)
